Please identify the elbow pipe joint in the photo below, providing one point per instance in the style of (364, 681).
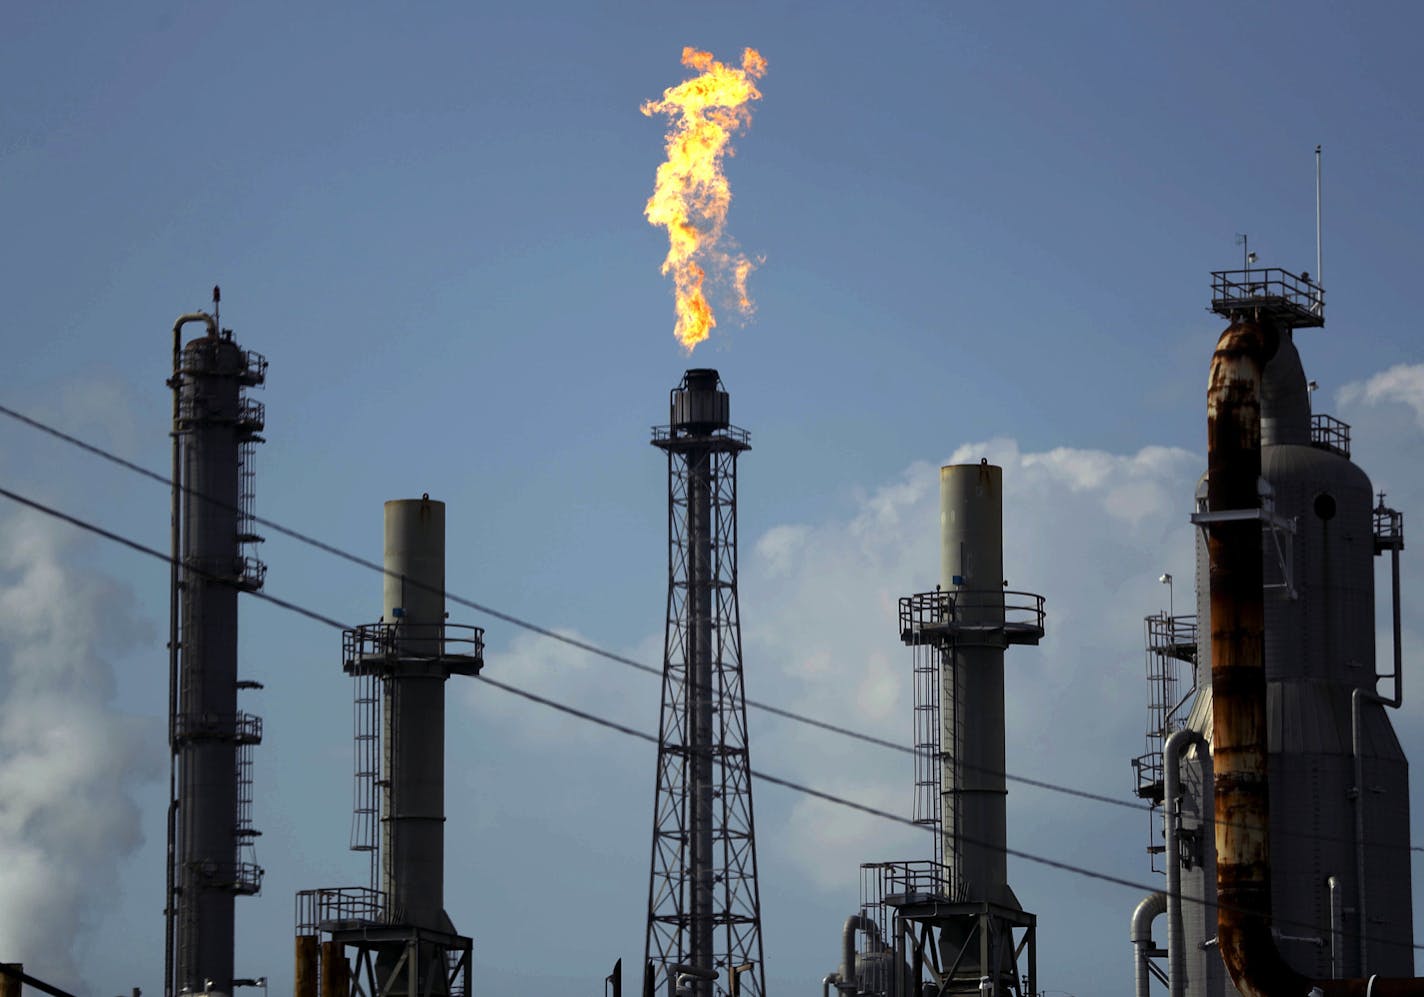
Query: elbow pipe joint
(854, 923)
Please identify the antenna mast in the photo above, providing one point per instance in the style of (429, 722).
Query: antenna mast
(1319, 276)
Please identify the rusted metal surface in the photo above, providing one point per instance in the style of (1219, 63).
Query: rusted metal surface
(1238, 680)
(304, 980)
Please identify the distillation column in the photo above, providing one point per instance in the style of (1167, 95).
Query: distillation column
(210, 832)
(704, 910)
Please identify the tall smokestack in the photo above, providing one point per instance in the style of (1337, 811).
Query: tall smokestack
(395, 933)
(972, 787)
(704, 909)
(961, 902)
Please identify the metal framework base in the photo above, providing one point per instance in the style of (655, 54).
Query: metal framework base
(992, 936)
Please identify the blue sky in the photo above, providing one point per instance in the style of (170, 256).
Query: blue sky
(986, 230)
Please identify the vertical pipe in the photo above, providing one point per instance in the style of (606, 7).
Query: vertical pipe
(175, 382)
(1173, 750)
(699, 720)
(1337, 915)
(1237, 660)
(1358, 697)
(334, 971)
(10, 982)
(304, 979)
(1319, 273)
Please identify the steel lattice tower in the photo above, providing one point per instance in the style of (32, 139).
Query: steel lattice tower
(704, 909)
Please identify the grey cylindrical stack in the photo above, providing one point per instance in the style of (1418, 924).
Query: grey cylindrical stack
(972, 696)
(413, 766)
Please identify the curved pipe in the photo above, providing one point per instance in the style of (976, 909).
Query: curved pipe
(1142, 917)
(854, 923)
(176, 383)
(1238, 680)
(847, 946)
(1176, 746)
(827, 981)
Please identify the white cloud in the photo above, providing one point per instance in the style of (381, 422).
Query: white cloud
(1403, 383)
(1090, 530)
(68, 762)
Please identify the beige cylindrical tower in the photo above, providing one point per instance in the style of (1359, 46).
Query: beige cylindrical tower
(413, 808)
(972, 685)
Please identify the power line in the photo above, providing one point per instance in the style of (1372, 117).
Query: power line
(582, 645)
(536, 628)
(585, 715)
(543, 631)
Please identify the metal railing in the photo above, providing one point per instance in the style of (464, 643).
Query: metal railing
(1330, 433)
(400, 639)
(240, 728)
(935, 616)
(1388, 528)
(1294, 300)
(251, 415)
(320, 909)
(254, 367)
(663, 434)
(249, 573)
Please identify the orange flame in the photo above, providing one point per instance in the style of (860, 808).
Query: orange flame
(691, 194)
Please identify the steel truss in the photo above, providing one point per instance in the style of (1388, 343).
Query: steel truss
(704, 909)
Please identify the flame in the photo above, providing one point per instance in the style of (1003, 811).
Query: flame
(691, 195)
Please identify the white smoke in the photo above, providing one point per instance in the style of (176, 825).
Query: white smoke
(68, 761)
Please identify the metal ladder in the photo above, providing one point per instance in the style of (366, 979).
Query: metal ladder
(366, 796)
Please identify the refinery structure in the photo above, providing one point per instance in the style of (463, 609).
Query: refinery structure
(1278, 855)
(1277, 787)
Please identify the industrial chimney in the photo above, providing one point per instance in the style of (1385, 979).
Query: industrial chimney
(393, 937)
(952, 925)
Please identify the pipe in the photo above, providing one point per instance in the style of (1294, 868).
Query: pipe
(1357, 696)
(827, 981)
(1238, 679)
(1142, 917)
(308, 958)
(856, 922)
(174, 529)
(1337, 916)
(1175, 747)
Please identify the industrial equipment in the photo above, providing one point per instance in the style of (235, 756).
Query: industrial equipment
(393, 937)
(210, 831)
(951, 924)
(1281, 787)
(704, 909)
